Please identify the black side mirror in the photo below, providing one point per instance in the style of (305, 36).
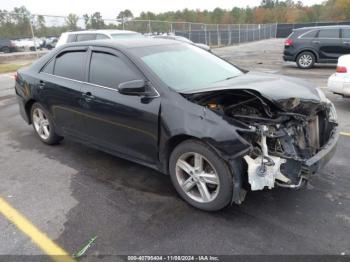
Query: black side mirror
(133, 87)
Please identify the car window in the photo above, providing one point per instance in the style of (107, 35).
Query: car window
(310, 34)
(49, 67)
(70, 65)
(101, 36)
(328, 33)
(71, 38)
(86, 37)
(346, 33)
(109, 70)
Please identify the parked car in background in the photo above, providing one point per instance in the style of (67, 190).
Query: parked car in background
(49, 42)
(339, 82)
(28, 44)
(182, 39)
(87, 35)
(217, 130)
(7, 46)
(309, 45)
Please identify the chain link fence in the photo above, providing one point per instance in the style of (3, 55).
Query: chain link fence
(32, 32)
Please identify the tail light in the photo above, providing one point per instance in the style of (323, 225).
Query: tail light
(288, 42)
(341, 69)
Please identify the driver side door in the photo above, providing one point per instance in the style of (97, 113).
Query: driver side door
(123, 124)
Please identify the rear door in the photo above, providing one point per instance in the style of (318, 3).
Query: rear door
(121, 123)
(329, 44)
(345, 41)
(60, 90)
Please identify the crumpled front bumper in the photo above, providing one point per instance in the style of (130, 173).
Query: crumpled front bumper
(316, 162)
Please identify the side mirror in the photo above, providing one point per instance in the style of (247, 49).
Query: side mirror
(133, 87)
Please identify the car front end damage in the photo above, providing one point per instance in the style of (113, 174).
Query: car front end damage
(291, 138)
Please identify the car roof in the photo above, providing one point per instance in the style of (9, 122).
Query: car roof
(322, 27)
(104, 31)
(123, 44)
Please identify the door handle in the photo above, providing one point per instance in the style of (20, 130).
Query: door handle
(41, 84)
(316, 42)
(88, 96)
(346, 43)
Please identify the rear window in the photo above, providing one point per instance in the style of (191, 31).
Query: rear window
(71, 38)
(328, 33)
(49, 67)
(346, 33)
(128, 35)
(70, 65)
(86, 37)
(101, 36)
(291, 35)
(310, 34)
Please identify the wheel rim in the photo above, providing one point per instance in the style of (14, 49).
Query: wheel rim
(197, 177)
(305, 60)
(41, 123)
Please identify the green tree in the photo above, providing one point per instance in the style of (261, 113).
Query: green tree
(72, 22)
(125, 15)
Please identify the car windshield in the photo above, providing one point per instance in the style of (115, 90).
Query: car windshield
(128, 35)
(185, 67)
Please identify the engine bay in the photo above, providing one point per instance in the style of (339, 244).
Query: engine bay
(283, 134)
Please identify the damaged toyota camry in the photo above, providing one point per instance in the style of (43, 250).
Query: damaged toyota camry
(218, 130)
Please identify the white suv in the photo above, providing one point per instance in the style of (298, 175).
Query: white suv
(78, 36)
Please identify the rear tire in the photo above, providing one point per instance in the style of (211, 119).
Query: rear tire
(43, 125)
(306, 60)
(207, 186)
(5, 49)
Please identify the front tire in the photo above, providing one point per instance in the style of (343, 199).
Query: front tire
(200, 176)
(306, 60)
(43, 125)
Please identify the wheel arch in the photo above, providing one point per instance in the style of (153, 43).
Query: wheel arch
(169, 147)
(28, 108)
(307, 50)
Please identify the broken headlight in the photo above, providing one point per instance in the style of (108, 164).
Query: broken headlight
(322, 96)
(332, 112)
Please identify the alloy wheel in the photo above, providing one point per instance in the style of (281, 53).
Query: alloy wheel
(197, 177)
(41, 123)
(305, 60)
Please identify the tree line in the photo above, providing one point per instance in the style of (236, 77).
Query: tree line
(15, 23)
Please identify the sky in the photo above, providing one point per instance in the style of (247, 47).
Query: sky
(110, 8)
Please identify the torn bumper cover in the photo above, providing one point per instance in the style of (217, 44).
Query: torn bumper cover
(319, 160)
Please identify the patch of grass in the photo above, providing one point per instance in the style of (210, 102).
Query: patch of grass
(6, 68)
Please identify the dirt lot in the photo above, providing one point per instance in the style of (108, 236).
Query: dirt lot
(73, 193)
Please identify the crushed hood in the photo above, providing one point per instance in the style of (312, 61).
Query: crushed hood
(276, 88)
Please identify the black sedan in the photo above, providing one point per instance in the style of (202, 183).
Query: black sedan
(219, 131)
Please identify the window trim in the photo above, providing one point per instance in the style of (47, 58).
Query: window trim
(88, 50)
(61, 52)
(113, 52)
